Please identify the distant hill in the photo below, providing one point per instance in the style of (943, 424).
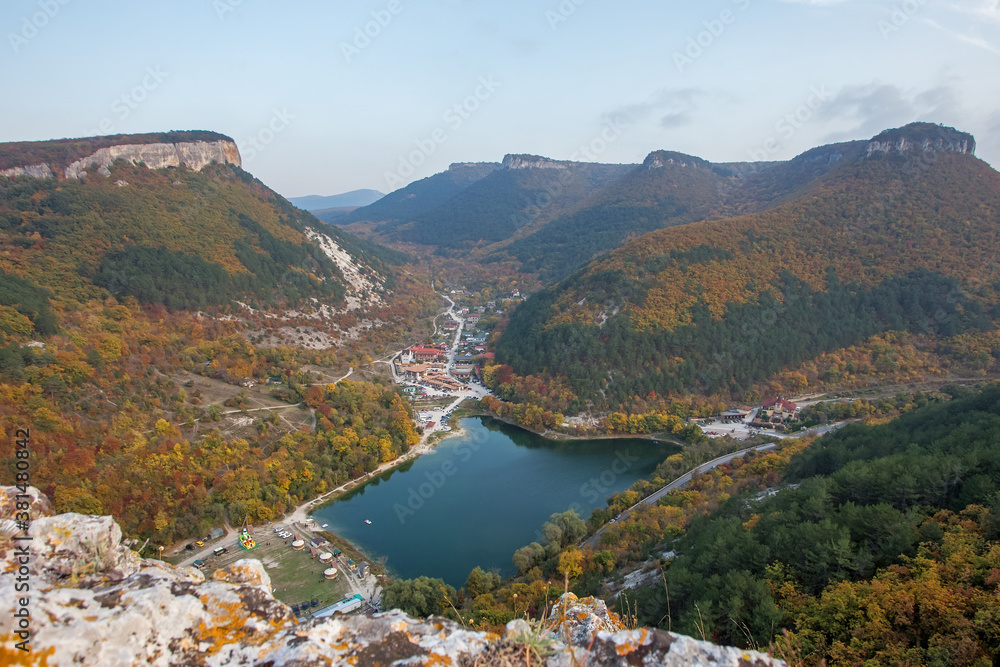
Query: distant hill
(475, 205)
(329, 215)
(552, 217)
(355, 198)
(525, 192)
(421, 196)
(898, 233)
(668, 189)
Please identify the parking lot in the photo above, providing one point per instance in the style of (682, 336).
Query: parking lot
(296, 577)
(740, 430)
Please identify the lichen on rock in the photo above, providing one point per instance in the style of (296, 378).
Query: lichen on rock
(95, 602)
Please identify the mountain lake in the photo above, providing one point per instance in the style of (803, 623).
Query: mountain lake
(481, 495)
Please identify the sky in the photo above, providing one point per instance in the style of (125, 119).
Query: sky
(328, 97)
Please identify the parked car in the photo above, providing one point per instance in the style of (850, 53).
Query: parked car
(199, 543)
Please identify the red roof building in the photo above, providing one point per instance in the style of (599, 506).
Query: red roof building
(427, 353)
(787, 406)
(776, 413)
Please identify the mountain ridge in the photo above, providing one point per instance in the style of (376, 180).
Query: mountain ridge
(886, 242)
(70, 157)
(355, 198)
(550, 217)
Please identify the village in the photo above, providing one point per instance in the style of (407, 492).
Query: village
(448, 367)
(315, 575)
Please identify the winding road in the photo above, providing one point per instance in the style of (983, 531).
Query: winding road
(678, 483)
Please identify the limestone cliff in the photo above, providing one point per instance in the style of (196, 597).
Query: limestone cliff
(197, 156)
(661, 159)
(34, 171)
(94, 602)
(532, 162)
(72, 158)
(919, 138)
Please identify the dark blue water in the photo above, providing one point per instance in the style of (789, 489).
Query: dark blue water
(479, 497)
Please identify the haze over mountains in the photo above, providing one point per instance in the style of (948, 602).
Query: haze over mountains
(354, 198)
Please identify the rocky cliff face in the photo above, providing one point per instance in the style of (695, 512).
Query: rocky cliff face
(92, 601)
(919, 138)
(531, 162)
(34, 171)
(662, 159)
(195, 155)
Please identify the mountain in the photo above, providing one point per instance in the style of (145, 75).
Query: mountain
(355, 198)
(151, 291)
(900, 233)
(668, 189)
(524, 191)
(165, 218)
(330, 215)
(552, 217)
(420, 196)
(156, 150)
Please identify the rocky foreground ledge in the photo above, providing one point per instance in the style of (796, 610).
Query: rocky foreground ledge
(92, 601)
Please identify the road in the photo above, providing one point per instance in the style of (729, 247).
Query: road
(207, 550)
(301, 512)
(678, 483)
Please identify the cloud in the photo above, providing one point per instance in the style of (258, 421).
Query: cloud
(673, 106)
(974, 40)
(677, 119)
(987, 11)
(867, 110)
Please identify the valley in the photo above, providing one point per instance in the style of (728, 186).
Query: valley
(514, 378)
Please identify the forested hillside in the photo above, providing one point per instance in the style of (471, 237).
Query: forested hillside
(891, 241)
(878, 544)
(186, 239)
(419, 197)
(496, 207)
(882, 545)
(130, 306)
(668, 189)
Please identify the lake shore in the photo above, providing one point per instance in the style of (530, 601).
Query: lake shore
(420, 513)
(557, 436)
(426, 445)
